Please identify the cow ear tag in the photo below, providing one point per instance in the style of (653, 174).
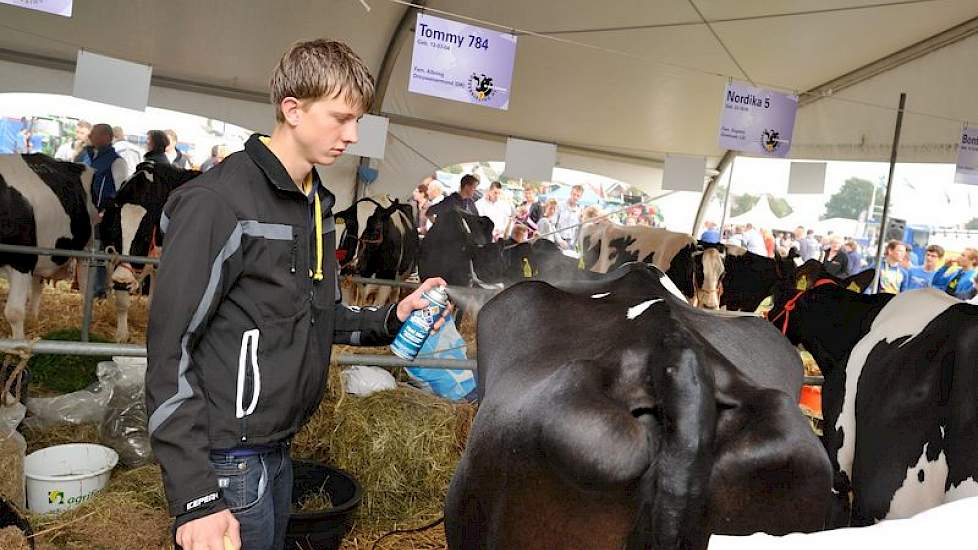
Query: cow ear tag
(854, 287)
(527, 270)
(340, 221)
(802, 283)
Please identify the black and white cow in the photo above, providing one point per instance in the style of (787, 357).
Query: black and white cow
(44, 203)
(900, 398)
(614, 415)
(131, 226)
(748, 278)
(608, 245)
(379, 241)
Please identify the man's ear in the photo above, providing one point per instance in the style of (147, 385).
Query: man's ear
(291, 110)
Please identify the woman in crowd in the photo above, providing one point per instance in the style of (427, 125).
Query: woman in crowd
(836, 262)
(547, 226)
(156, 142)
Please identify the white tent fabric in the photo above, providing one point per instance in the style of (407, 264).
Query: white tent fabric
(659, 90)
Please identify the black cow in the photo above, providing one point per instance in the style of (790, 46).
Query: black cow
(378, 240)
(750, 278)
(614, 415)
(131, 226)
(459, 249)
(900, 398)
(45, 203)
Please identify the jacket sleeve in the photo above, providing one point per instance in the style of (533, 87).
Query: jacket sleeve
(366, 326)
(200, 262)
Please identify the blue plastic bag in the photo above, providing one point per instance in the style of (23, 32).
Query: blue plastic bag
(447, 343)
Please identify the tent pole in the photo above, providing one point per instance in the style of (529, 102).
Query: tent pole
(889, 188)
(726, 199)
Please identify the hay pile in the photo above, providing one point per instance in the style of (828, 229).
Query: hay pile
(61, 308)
(429, 539)
(811, 367)
(130, 513)
(59, 435)
(11, 468)
(12, 538)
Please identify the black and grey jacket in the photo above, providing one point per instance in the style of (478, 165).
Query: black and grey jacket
(239, 332)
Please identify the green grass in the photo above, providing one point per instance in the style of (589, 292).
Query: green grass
(65, 373)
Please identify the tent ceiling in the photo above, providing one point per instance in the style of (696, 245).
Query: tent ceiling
(642, 105)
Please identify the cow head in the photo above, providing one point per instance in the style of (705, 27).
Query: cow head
(708, 271)
(459, 248)
(750, 278)
(131, 225)
(369, 211)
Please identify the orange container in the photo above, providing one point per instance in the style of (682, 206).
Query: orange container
(811, 397)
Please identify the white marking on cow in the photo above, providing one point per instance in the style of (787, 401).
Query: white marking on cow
(671, 287)
(639, 309)
(966, 489)
(708, 295)
(600, 295)
(907, 314)
(942, 432)
(132, 215)
(50, 219)
(666, 244)
(915, 496)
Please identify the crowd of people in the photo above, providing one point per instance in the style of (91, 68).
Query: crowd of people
(516, 220)
(953, 274)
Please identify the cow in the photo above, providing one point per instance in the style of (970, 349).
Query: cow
(900, 397)
(131, 227)
(748, 278)
(607, 245)
(378, 240)
(614, 415)
(43, 203)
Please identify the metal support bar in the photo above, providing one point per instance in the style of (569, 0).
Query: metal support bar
(889, 188)
(89, 291)
(57, 347)
(394, 361)
(87, 254)
(814, 380)
(405, 284)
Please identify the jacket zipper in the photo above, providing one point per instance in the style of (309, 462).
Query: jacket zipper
(294, 251)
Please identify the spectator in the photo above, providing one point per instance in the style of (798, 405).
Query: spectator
(497, 208)
(963, 281)
(809, 247)
(547, 227)
(110, 168)
(768, 242)
(836, 261)
(436, 191)
(923, 276)
(461, 199)
(569, 217)
(127, 150)
(893, 276)
(710, 233)
(753, 241)
(736, 237)
(156, 143)
(856, 263)
(23, 144)
(419, 207)
(218, 152)
(534, 209)
(72, 150)
(520, 233)
(173, 155)
(522, 217)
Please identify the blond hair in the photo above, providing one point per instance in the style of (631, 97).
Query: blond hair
(321, 68)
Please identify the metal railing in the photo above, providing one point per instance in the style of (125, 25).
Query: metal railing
(87, 254)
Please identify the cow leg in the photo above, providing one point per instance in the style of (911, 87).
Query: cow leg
(37, 288)
(771, 474)
(20, 288)
(383, 295)
(349, 293)
(122, 301)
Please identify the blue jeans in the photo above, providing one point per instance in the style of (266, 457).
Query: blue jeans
(258, 490)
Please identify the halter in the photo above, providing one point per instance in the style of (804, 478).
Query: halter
(790, 304)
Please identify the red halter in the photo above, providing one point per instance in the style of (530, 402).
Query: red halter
(790, 304)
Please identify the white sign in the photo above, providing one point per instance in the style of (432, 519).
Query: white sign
(466, 63)
(807, 178)
(684, 173)
(113, 81)
(533, 160)
(57, 7)
(967, 169)
(756, 120)
(372, 133)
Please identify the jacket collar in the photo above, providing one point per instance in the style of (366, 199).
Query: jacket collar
(278, 177)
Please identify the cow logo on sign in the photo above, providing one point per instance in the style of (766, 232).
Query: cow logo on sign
(771, 140)
(480, 86)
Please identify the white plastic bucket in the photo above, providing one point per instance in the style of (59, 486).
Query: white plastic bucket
(63, 476)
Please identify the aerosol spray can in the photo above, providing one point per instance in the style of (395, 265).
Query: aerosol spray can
(416, 329)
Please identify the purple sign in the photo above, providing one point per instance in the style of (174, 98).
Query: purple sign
(452, 60)
(757, 121)
(967, 167)
(57, 7)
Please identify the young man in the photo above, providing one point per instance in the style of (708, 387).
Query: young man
(569, 216)
(72, 150)
(893, 277)
(461, 199)
(710, 233)
(498, 209)
(173, 155)
(533, 207)
(922, 276)
(962, 281)
(128, 151)
(238, 350)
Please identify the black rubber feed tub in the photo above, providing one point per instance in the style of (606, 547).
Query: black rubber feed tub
(9, 516)
(321, 530)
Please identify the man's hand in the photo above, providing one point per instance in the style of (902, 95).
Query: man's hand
(413, 302)
(207, 533)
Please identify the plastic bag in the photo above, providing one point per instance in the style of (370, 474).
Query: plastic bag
(13, 448)
(81, 407)
(447, 343)
(124, 426)
(363, 381)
